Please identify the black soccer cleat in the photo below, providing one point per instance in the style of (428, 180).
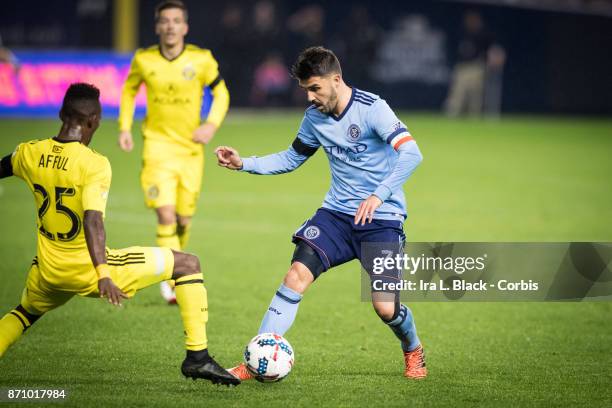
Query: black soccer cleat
(200, 365)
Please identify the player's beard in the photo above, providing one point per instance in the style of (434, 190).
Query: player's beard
(329, 107)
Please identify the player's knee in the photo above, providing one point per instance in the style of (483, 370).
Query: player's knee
(185, 264)
(308, 257)
(385, 310)
(298, 278)
(192, 264)
(166, 215)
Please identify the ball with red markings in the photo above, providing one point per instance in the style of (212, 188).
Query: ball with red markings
(269, 357)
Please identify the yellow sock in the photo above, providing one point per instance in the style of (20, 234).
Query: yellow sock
(183, 232)
(166, 236)
(12, 325)
(193, 303)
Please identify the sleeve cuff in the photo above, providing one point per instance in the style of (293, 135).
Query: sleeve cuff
(213, 121)
(383, 192)
(125, 126)
(248, 164)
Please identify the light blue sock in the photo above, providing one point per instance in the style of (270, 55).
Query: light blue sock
(281, 313)
(404, 329)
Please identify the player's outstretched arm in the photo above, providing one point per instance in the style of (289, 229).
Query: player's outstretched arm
(95, 236)
(277, 163)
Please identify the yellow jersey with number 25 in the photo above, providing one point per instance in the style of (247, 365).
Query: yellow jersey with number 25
(66, 178)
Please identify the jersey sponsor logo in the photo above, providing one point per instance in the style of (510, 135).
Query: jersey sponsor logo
(354, 133)
(172, 101)
(57, 149)
(188, 72)
(171, 98)
(312, 232)
(346, 154)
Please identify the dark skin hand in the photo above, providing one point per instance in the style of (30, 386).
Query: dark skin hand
(96, 244)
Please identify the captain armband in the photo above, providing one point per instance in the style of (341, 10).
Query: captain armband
(302, 148)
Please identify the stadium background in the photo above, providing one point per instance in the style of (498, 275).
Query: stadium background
(513, 177)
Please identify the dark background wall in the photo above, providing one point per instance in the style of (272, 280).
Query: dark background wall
(557, 62)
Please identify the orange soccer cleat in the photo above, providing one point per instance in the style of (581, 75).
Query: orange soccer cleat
(415, 363)
(241, 372)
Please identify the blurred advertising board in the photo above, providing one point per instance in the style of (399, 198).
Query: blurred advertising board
(37, 86)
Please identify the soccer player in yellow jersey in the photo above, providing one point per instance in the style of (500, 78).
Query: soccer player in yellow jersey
(70, 183)
(175, 75)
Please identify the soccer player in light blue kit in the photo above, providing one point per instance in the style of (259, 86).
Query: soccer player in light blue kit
(371, 154)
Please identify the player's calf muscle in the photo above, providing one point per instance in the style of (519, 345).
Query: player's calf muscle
(185, 264)
(298, 277)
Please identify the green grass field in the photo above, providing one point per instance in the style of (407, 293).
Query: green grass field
(519, 179)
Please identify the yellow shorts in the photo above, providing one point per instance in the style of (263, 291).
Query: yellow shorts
(132, 269)
(173, 182)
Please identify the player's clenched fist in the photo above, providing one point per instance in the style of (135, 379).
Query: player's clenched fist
(126, 143)
(204, 133)
(228, 157)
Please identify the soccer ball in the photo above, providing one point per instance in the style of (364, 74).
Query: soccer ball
(269, 357)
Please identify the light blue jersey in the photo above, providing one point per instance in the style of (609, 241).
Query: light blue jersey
(370, 151)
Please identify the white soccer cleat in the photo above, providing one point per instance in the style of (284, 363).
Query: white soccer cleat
(167, 292)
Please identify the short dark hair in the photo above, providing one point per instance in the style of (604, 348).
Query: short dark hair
(315, 61)
(169, 4)
(78, 95)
